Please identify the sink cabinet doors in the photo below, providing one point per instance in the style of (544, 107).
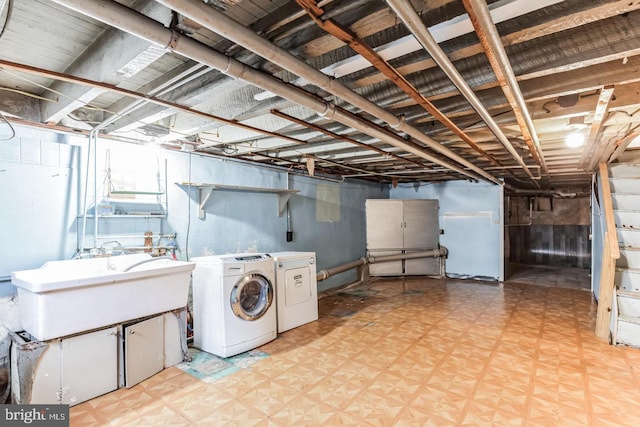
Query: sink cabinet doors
(75, 369)
(143, 345)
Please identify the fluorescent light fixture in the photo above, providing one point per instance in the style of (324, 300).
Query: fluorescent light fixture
(574, 140)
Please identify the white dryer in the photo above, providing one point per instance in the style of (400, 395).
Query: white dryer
(296, 289)
(233, 303)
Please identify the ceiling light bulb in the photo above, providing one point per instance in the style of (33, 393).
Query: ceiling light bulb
(574, 140)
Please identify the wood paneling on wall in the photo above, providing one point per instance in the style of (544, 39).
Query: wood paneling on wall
(554, 245)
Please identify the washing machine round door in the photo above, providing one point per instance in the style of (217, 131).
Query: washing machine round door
(251, 297)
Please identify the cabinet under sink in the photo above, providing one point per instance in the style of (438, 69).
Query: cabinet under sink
(77, 368)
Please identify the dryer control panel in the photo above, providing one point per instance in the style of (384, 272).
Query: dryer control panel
(252, 258)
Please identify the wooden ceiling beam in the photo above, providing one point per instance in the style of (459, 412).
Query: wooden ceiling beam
(556, 25)
(596, 145)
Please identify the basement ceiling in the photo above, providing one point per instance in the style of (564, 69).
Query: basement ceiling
(390, 91)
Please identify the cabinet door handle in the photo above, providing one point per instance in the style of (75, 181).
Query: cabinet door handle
(131, 332)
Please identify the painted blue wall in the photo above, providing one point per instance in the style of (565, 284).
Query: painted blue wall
(42, 183)
(39, 199)
(42, 177)
(471, 215)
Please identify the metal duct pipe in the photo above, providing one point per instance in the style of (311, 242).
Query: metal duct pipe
(223, 25)
(433, 253)
(125, 19)
(325, 274)
(490, 39)
(412, 21)
(553, 193)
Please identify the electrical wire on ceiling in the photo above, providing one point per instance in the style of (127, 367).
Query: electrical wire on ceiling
(13, 131)
(2, 31)
(623, 112)
(416, 185)
(31, 95)
(477, 122)
(78, 119)
(226, 150)
(87, 106)
(8, 18)
(229, 150)
(25, 79)
(544, 106)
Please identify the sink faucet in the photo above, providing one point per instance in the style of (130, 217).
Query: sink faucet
(107, 247)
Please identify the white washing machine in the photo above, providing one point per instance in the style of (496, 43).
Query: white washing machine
(296, 289)
(233, 303)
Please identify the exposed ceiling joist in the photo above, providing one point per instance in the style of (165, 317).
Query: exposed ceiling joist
(595, 146)
(560, 54)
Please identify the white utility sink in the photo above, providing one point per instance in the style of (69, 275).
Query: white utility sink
(67, 297)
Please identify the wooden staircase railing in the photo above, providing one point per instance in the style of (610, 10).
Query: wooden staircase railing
(611, 253)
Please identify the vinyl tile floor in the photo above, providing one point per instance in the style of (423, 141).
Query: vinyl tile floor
(573, 278)
(408, 352)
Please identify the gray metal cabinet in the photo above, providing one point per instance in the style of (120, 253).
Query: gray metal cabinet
(402, 226)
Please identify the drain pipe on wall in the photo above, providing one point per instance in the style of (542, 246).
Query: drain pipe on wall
(125, 19)
(412, 21)
(225, 26)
